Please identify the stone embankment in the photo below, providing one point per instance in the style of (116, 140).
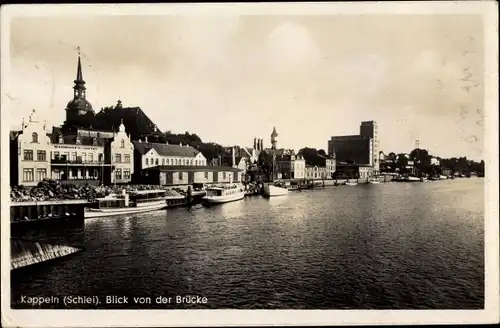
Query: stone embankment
(52, 190)
(25, 252)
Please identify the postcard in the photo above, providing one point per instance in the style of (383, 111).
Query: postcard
(249, 164)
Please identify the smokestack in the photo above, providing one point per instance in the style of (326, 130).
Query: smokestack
(255, 143)
(234, 158)
(261, 146)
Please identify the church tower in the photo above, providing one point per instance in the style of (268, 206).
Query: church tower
(274, 139)
(79, 112)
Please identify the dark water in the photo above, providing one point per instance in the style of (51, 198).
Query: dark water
(387, 246)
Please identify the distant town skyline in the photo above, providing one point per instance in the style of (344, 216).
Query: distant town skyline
(229, 79)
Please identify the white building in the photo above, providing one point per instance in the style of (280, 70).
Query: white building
(150, 154)
(30, 153)
(122, 156)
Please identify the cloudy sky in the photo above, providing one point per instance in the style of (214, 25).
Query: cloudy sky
(231, 78)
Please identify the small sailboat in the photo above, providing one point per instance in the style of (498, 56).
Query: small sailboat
(351, 183)
(276, 188)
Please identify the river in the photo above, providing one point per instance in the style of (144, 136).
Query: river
(388, 246)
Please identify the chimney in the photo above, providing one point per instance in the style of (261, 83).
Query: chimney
(254, 142)
(261, 145)
(234, 158)
(146, 139)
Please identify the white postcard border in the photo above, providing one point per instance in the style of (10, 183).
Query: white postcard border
(100, 318)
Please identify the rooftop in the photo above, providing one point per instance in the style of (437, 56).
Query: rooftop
(165, 149)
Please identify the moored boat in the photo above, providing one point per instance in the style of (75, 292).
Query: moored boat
(374, 180)
(411, 178)
(351, 183)
(224, 194)
(127, 203)
(275, 189)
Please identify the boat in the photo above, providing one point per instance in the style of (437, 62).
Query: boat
(351, 183)
(177, 200)
(411, 178)
(275, 189)
(374, 180)
(224, 194)
(127, 203)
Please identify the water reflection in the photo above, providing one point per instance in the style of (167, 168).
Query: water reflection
(385, 246)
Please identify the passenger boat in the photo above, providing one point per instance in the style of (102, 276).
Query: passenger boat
(127, 203)
(224, 194)
(275, 189)
(374, 180)
(351, 183)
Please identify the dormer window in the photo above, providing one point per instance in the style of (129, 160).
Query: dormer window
(94, 141)
(78, 141)
(34, 137)
(61, 140)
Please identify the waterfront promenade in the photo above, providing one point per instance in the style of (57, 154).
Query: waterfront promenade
(386, 246)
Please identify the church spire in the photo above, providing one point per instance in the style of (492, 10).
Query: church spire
(79, 82)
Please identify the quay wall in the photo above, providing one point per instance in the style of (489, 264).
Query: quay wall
(46, 230)
(26, 252)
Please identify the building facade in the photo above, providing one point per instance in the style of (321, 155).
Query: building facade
(151, 154)
(30, 153)
(362, 149)
(187, 175)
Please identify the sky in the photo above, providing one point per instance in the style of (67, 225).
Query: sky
(231, 78)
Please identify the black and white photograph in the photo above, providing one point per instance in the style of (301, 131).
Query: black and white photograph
(249, 156)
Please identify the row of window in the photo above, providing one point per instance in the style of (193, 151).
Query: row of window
(41, 155)
(84, 156)
(119, 176)
(174, 161)
(118, 158)
(29, 175)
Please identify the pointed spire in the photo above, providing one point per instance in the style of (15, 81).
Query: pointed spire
(79, 75)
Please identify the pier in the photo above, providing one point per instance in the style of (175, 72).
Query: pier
(46, 230)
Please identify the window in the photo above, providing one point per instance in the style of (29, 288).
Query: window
(34, 137)
(180, 175)
(28, 155)
(156, 162)
(84, 157)
(175, 161)
(56, 154)
(127, 158)
(196, 162)
(163, 161)
(41, 155)
(94, 141)
(147, 161)
(118, 174)
(28, 175)
(73, 156)
(122, 144)
(126, 174)
(91, 157)
(118, 158)
(78, 141)
(60, 139)
(206, 175)
(41, 174)
(66, 154)
(101, 157)
(224, 175)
